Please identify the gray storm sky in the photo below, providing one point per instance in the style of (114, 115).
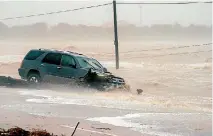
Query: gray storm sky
(148, 15)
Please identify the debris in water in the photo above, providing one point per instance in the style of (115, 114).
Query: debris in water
(75, 129)
(139, 91)
(102, 128)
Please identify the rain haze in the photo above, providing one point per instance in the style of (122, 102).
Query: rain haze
(199, 14)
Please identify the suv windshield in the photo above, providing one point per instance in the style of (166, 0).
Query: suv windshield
(95, 62)
(88, 62)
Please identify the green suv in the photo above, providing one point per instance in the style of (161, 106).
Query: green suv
(40, 63)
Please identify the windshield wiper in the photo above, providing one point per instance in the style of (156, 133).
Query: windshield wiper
(96, 65)
(89, 63)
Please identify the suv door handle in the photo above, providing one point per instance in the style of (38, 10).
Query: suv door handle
(58, 67)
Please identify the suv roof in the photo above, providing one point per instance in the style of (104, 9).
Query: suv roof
(60, 51)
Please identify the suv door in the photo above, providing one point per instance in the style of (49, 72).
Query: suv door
(68, 66)
(51, 64)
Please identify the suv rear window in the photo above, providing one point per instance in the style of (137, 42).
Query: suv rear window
(32, 55)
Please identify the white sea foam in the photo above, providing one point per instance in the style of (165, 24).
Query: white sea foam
(38, 93)
(149, 127)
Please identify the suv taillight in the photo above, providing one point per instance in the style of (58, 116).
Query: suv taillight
(21, 63)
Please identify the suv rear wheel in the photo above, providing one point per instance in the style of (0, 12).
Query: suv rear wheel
(34, 78)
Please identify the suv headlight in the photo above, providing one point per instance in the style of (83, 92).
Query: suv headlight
(118, 80)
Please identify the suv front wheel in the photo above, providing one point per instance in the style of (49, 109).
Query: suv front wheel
(34, 78)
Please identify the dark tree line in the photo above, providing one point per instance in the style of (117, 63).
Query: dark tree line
(63, 30)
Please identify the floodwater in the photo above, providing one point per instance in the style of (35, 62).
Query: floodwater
(176, 98)
(147, 114)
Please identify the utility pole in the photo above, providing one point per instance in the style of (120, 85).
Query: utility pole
(116, 35)
(140, 14)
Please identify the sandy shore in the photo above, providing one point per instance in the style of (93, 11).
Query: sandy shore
(60, 125)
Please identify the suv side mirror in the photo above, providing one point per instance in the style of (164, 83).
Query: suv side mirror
(105, 70)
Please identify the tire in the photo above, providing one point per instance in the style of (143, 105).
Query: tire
(34, 78)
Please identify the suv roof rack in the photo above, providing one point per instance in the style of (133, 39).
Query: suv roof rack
(46, 49)
(61, 51)
(50, 49)
(74, 52)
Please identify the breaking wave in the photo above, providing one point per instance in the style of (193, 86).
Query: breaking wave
(10, 58)
(123, 64)
(124, 101)
(158, 66)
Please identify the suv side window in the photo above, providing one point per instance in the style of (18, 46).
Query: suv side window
(68, 61)
(52, 58)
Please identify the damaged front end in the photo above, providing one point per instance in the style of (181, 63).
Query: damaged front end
(104, 81)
